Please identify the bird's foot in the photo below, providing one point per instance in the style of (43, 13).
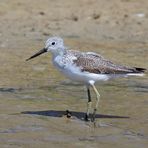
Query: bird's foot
(86, 118)
(93, 116)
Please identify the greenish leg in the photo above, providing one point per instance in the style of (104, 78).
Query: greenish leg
(97, 101)
(88, 105)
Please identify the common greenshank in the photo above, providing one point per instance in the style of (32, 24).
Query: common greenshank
(85, 67)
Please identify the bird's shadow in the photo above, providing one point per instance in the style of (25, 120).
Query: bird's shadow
(79, 115)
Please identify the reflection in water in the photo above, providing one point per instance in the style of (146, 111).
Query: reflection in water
(79, 115)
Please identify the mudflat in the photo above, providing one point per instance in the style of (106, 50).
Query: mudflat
(34, 96)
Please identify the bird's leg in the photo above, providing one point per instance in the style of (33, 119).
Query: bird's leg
(88, 104)
(97, 102)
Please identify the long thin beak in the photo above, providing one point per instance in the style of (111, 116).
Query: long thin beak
(37, 54)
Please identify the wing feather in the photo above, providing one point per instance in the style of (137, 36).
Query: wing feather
(95, 63)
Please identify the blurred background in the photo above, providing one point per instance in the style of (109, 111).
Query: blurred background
(117, 29)
(25, 25)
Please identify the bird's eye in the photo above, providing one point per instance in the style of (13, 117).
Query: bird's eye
(53, 43)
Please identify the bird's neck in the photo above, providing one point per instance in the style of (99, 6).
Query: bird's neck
(59, 52)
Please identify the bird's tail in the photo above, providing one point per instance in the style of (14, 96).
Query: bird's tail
(136, 71)
(139, 70)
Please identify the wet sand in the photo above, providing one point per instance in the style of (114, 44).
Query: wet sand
(34, 96)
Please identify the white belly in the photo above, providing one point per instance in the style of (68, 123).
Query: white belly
(74, 73)
(83, 77)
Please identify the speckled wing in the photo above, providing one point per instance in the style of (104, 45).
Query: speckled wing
(95, 63)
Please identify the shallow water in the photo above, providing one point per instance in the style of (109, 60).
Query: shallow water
(34, 98)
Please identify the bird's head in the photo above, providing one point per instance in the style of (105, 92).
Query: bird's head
(55, 45)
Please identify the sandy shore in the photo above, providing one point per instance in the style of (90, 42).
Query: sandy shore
(34, 96)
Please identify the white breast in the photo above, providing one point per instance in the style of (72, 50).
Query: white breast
(73, 72)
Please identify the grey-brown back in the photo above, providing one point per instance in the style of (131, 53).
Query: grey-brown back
(95, 63)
